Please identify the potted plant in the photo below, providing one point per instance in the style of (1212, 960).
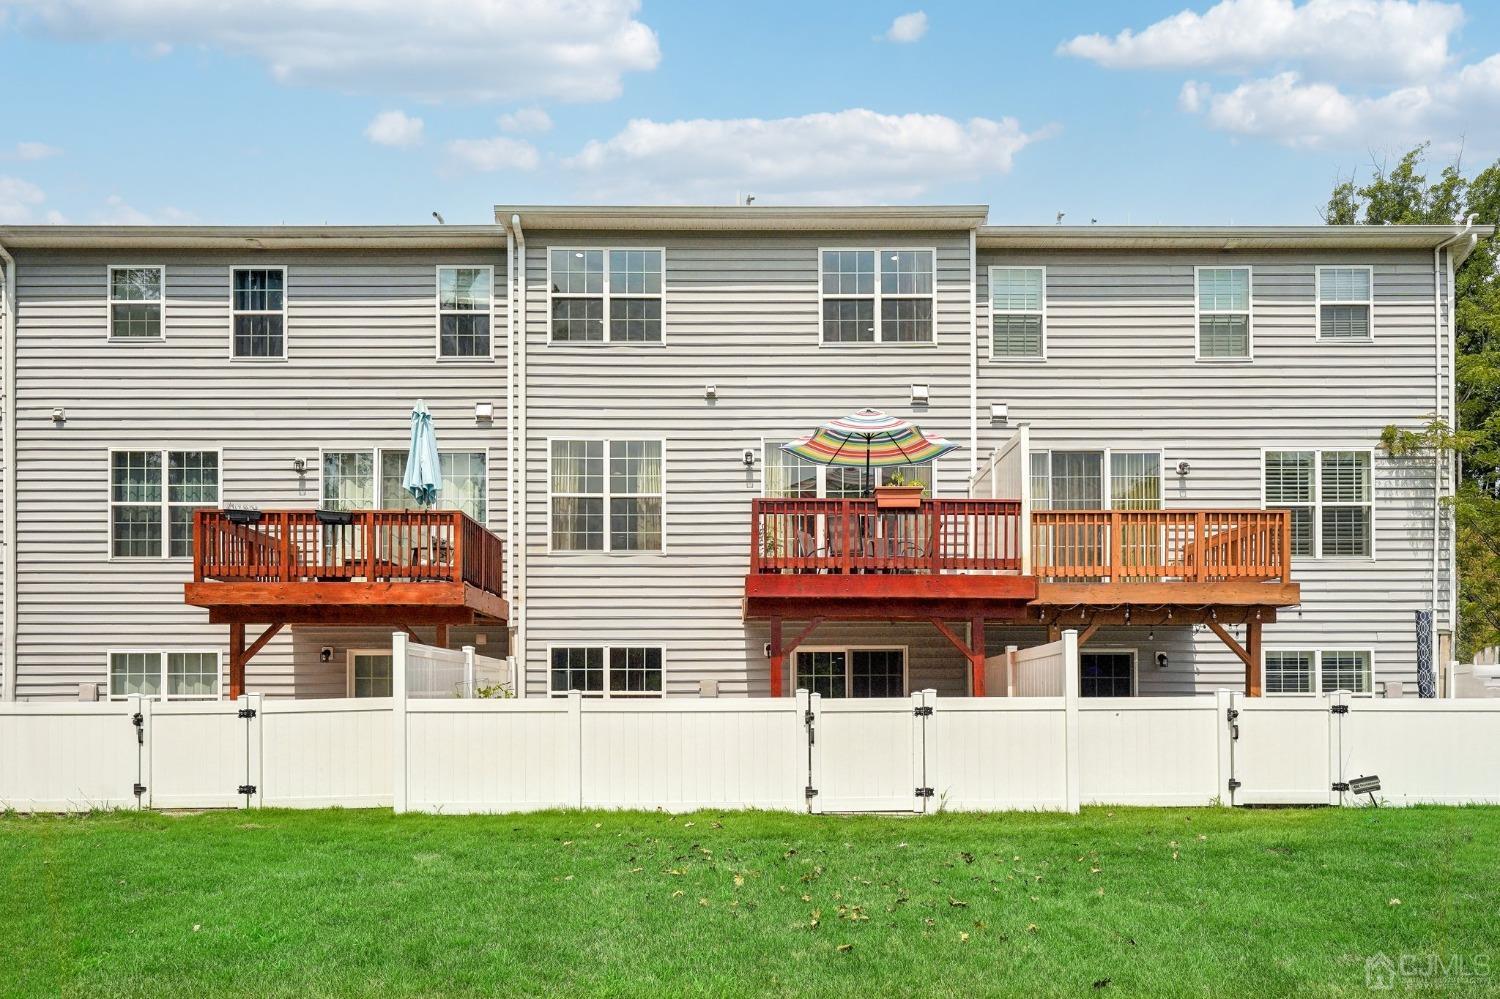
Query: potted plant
(899, 493)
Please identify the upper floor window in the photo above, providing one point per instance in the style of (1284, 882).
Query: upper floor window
(1331, 497)
(606, 496)
(1223, 313)
(1018, 312)
(258, 313)
(877, 296)
(606, 296)
(151, 514)
(607, 671)
(137, 297)
(175, 676)
(464, 304)
(1345, 302)
(350, 481)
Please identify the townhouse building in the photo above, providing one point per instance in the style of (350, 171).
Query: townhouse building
(1169, 440)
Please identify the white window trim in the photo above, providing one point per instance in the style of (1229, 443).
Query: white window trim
(607, 294)
(110, 302)
(1248, 313)
(849, 651)
(1318, 501)
(1317, 676)
(1042, 312)
(1107, 470)
(1135, 667)
(1318, 302)
(282, 312)
(438, 313)
(606, 494)
(164, 504)
(879, 297)
(375, 452)
(822, 470)
(349, 668)
(110, 654)
(608, 694)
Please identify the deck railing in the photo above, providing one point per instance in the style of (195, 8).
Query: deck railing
(1161, 545)
(367, 545)
(854, 535)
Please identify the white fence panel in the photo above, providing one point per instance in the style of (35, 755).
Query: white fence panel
(1150, 751)
(318, 754)
(867, 755)
(1040, 670)
(493, 755)
(197, 753)
(1445, 752)
(686, 754)
(1284, 754)
(994, 754)
(62, 757)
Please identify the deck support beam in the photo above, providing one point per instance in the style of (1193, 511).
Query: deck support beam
(1249, 653)
(781, 650)
(240, 656)
(973, 650)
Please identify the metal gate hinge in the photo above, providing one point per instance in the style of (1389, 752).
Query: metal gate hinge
(139, 721)
(247, 789)
(922, 711)
(139, 789)
(1234, 785)
(1341, 785)
(247, 712)
(809, 792)
(1233, 714)
(1339, 709)
(924, 792)
(807, 718)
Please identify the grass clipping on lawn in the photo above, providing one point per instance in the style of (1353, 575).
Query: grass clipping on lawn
(1114, 901)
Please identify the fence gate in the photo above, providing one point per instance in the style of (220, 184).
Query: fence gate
(868, 754)
(1285, 751)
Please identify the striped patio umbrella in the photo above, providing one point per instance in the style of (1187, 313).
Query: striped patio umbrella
(869, 439)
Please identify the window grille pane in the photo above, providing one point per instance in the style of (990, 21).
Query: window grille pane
(1289, 485)
(877, 673)
(822, 673)
(1346, 531)
(464, 336)
(372, 674)
(259, 290)
(136, 531)
(634, 467)
(1077, 480)
(135, 673)
(635, 523)
(1224, 336)
(463, 289)
(635, 272)
(789, 476)
(1135, 481)
(258, 336)
(577, 320)
(849, 320)
(906, 320)
(1344, 284)
(1289, 672)
(906, 272)
(1105, 674)
(192, 674)
(1016, 289)
(348, 480)
(577, 272)
(635, 671)
(135, 476)
(1346, 476)
(1345, 322)
(1041, 476)
(1017, 336)
(578, 669)
(635, 320)
(135, 284)
(193, 477)
(465, 482)
(1224, 289)
(849, 272)
(1346, 671)
(135, 321)
(578, 523)
(578, 467)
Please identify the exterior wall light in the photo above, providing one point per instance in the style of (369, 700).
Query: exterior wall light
(1183, 468)
(919, 394)
(710, 391)
(484, 412)
(999, 412)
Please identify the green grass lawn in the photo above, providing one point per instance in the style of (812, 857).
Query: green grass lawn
(1112, 902)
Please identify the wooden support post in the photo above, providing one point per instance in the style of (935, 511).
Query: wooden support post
(1252, 665)
(236, 660)
(1088, 632)
(774, 658)
(976, 654)
(441, 636)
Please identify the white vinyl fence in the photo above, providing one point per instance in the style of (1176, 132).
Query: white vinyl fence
(913, 754)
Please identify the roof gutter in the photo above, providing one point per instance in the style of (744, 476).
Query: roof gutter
(8, 471)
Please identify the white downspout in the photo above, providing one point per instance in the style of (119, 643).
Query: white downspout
(973, 354)
(8, 459)
(510, 421)
(1438, 410)
(518, 607)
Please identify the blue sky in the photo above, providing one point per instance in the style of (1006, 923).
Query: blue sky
(381, 111)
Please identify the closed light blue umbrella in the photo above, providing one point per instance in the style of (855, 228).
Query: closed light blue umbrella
(423, 478)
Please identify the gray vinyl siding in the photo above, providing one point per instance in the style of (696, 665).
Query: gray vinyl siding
(361, 336)
(1120, 373)
(741, 314)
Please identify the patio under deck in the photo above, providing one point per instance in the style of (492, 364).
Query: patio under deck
(394, 568)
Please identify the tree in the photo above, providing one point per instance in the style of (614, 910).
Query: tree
(1402, 195)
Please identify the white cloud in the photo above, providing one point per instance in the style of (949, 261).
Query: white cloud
(1365, 39)
(35, 151)
(834, 157)
(394, 128)
(526, 120)
(497, 153)
(574, 50)
(117, 211)
(20, 200)
(908, 27)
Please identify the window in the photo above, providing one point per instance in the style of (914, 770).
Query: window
(258, 313)
(1075, 480)
(1306, 671)
(788, 476)
(137, 296)
(1331, 497)
(1345, 302)
(350, 483)
(1223, 313)
(852, 672)
(189, 675)
(1018, 312)
(1106, 674)
(370, 672)
(606, 496)
(894, 306)
(150, 518)
(606, 296)
(464, 295)
(632, 670)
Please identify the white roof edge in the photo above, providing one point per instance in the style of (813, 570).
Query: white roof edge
(190, 237)
(742, 218)
(1240, 237)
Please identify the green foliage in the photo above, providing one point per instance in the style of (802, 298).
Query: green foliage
(1403, 195)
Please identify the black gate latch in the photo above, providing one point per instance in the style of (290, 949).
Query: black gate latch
(924, 792)
(247, 789)
(247, 712)
(923, 711)
(1339, 709)
(1341, 785)
(1234, 785)
(140, 730)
